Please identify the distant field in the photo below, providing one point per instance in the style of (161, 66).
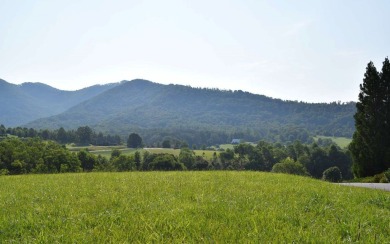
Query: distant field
(231, 146)
(226, 146)
(342, 142)
(106, 151)
(188, 207)
(95, 148)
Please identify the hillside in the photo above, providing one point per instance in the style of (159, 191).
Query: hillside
(147, 105)
(20, 104)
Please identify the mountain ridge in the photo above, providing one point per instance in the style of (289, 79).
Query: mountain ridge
(29, 101)
(148, 105)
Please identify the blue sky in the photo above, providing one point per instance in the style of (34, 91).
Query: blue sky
(314, 51)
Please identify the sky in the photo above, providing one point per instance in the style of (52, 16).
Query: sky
(304, 50)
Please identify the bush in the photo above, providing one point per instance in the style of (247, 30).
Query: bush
(387, 174)
(386, 177)
(4, 172)
(288, 166)
(332, 174)
(165, 162)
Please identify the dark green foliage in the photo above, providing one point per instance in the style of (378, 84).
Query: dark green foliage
(294, 158)
(19, 156)
(134, 141)
(87, 159)
(227, 157)
(288, 166)
(201, 163)
(187, 157)
(3, 131)
(36, 156)
(318, 161)
(370, 146)
(137, 160)
(342, 160)
(84, 135)
(165, 162)
(115, 153)
(333, 174)
(124, 163)
(383, 177)
(166, 144)
(62, 136)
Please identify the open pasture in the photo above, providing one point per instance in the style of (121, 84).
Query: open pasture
(189, 207)
(342, 142)
(106, 151)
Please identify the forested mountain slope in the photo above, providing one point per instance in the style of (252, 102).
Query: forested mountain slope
(20, 104)
(147, 105)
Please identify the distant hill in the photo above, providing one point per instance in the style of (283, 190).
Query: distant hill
(20, 104)
(146, 105)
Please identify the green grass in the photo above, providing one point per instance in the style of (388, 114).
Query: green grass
(106, 151)
(342, 142)
(188, 207)
(94, 148)
(226, 146)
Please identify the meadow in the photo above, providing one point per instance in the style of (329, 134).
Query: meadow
(106, 151)
(189, 207)
(342, 142)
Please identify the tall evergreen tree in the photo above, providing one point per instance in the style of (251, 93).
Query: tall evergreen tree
(385, 80)
(370, 140)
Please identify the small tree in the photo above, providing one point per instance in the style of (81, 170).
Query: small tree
(187, 157)
(137, 160)
(333, 174)
(84, 134)
(288, 166)
(166, 144)
(134, 141)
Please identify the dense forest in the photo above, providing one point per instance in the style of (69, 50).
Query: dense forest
(141, 105)
(168, 112)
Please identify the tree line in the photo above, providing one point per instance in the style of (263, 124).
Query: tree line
(83, 135)
(33, 155)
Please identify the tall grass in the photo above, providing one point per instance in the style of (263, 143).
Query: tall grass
(188, 207)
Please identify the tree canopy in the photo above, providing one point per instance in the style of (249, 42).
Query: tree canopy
(134, 141)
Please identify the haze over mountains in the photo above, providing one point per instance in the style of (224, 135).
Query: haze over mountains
(20, 104)
(120, 107)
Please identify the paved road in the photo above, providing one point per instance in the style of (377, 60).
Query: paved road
(382, 186)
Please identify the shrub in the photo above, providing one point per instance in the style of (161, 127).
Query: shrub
(386, 177)
(4, 172)
(288, 166)
(387, 174)
(332, 174)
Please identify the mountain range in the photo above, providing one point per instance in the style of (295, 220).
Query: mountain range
(20, 104)
(128, 105)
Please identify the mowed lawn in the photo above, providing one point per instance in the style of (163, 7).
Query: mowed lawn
(188, 207)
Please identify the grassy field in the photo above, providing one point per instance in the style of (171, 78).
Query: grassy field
(342, 142)
(188, 207)
(106, 151)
